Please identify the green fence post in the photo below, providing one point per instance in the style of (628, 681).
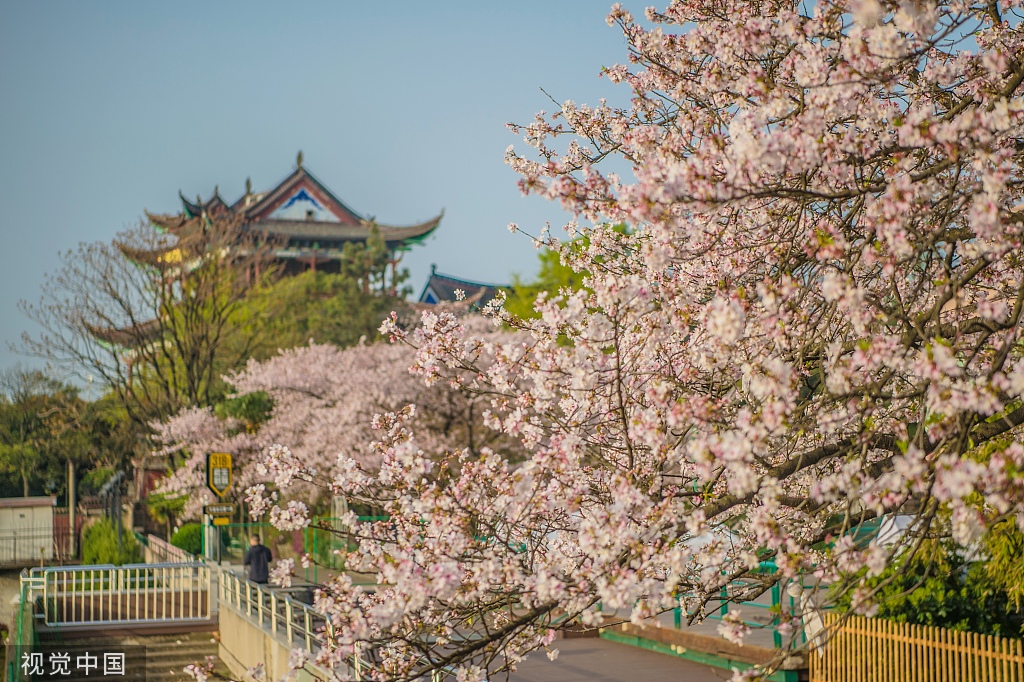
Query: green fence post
(306, 533)
(776, 612)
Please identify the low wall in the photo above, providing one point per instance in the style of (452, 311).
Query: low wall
(713, 651)
(244, 644)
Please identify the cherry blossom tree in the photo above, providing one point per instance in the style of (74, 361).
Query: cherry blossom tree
(809, 321)
(324, 400)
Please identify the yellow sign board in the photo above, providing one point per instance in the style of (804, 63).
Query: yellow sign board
(221, 520)
(218, 472)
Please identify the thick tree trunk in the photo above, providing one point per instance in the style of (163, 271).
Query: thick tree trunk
(24, 484)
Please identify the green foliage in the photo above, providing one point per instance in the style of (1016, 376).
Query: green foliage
(44, 423)
(1004, 568)
(552, 278)
(100, 545)
(20, 459)
(112, 435)
(252, 409)
(165, 508)
(40, 427)
(337, 308)
(935, 586)
(367, 264)
(91, 483)
(189, 538)
(334, 308)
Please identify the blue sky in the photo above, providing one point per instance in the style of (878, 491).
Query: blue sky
(109, 108)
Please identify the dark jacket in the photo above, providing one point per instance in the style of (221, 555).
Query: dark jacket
(258, 560)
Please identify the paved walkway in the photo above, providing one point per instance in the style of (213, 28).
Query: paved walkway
(599, 660)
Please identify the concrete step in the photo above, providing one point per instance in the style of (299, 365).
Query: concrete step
(165, 655)
(177, 672)
(190, 656)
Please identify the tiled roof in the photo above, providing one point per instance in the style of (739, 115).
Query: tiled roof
(214, 204)
(19, 502)
(127, 337)
(167, 221)
(330, 231)
(441, 288)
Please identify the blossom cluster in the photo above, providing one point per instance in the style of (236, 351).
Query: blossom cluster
(321, 425)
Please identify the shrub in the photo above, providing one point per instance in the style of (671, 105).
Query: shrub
(189, 538)
(100, 545)
(936, 586)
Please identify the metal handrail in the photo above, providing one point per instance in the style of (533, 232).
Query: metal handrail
(121, 595)
(169, 553)
(298, 624)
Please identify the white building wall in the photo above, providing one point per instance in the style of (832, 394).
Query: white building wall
(26, 532)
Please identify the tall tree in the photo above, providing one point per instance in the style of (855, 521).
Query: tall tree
(20, 459)
(813, 320)
(367, 263)
(39, 431)
(156, 317)
(329, 308)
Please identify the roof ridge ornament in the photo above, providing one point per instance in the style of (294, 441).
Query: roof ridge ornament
(298, 159)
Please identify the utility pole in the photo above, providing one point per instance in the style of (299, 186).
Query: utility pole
(72, 492)
(120, 516)
(72, 501)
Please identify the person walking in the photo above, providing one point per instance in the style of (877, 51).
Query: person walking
(258, 560)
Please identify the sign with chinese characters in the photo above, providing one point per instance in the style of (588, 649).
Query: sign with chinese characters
(222, 509)
(218, 472)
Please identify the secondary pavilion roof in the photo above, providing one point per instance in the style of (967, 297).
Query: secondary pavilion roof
(441, 288)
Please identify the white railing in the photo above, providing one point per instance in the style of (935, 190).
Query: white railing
(297, 624)
(121, 595)
(164, 552)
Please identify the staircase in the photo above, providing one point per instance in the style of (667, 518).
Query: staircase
(165, 655)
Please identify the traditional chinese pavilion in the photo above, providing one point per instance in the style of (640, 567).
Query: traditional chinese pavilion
(308, 222)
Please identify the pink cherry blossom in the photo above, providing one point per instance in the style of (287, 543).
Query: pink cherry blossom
(325, 399)
(283, 572)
